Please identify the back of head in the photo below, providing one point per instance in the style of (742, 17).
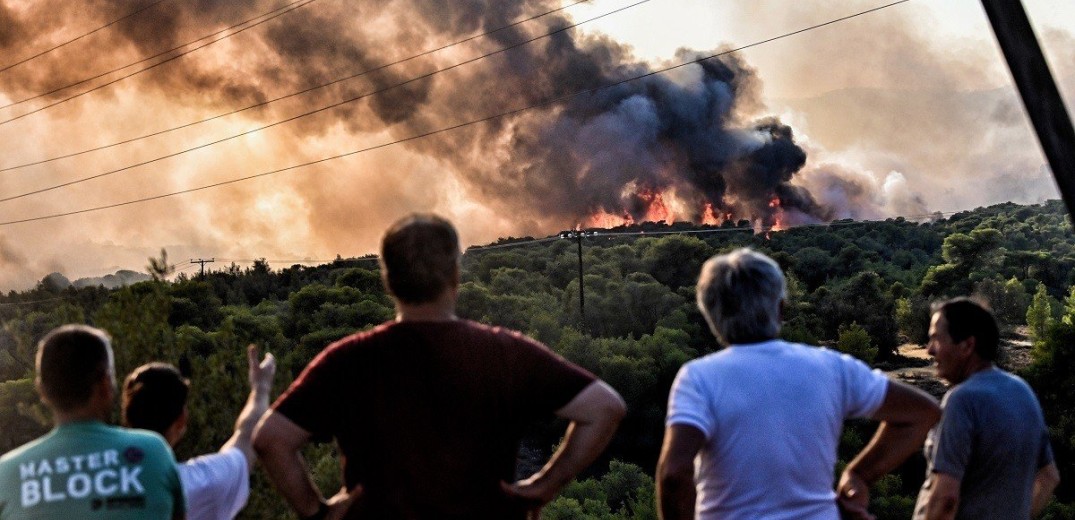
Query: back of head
(966, 318)
(419, 258)
(70, 361)
(739, 294)
(154, 395)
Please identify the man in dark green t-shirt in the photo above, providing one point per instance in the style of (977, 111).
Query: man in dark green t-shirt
(85, 468)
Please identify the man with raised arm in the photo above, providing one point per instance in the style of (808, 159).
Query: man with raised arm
(752, 430)
(216, 485)
(989, 457)
(85, 468)
(428, 410)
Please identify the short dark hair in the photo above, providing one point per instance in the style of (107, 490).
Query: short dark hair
(71, 359)
(419, 257)
(154, 395)
(966, 318)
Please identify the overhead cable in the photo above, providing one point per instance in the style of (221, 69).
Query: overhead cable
(440, 130)
(267, 17)
(312, 112)
(81, 36)
(293, 94)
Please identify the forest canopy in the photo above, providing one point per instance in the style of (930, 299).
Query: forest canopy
(860, 287)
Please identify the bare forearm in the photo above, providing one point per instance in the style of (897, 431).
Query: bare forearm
(288, 473)
(582, 443)
(941, 508)
(1038, 503)
(890, 446)
(943, 500)
(1045, 483)
(257, 403)
(675, 496)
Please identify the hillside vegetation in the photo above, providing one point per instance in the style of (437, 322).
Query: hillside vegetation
(862, 287)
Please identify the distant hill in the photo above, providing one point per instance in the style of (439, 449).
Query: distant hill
(121, 278)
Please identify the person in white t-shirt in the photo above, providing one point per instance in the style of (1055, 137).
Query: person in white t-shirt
(216, 485)
(752, 430)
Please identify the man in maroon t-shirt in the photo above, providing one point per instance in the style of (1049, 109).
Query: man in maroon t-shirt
(428, 410)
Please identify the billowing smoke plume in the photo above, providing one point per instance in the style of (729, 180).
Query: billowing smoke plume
(682, 145)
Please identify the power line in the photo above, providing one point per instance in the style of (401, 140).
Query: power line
(184, 268)
(279, 261)
(511, 244)
(37, 301)
(293, 94)
(316, 111)
(438, 131)
(81, 36)
(274, 14)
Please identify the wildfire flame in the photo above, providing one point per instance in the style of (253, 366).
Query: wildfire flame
(603, 219)
(777, 217)
(657, 209)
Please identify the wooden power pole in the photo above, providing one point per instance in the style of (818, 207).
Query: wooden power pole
(202, 262)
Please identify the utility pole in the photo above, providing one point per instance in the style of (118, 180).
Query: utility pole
(1038, 90)
(202, 262)
(577, 235)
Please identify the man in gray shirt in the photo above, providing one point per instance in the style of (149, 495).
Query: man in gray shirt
(989, 457)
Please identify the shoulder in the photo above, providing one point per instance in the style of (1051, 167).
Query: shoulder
(136, 445)
(353, 344)
(358, 339)
(135, 435)
(995, 385)
(500, 336)
(1013, 381)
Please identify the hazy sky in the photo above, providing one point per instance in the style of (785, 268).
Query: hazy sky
(902, 111)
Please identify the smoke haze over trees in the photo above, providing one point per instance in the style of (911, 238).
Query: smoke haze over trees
(860, 287)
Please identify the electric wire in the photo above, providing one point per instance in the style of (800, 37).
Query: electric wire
(31, 302)
(440, 130)
(274, 260)
(296, 4)
(81, 36)
(72, 297)
(316, 111)
(511, 244)
(293, 94)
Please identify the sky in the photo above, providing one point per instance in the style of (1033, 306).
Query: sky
(905, 111)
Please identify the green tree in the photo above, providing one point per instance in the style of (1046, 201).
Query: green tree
(1039, 315)
(1053, 381)
(137, 318)
(22, 416)
(910, 322)
(1069, 307)
(860, 299)
(854, 340)
(675, 260)
(1013, 306)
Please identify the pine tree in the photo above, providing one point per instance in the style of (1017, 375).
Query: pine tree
(1039, 315)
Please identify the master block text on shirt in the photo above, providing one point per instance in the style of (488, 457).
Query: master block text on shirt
(97, 474)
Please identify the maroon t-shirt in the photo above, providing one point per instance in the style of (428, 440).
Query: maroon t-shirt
(429, 415)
